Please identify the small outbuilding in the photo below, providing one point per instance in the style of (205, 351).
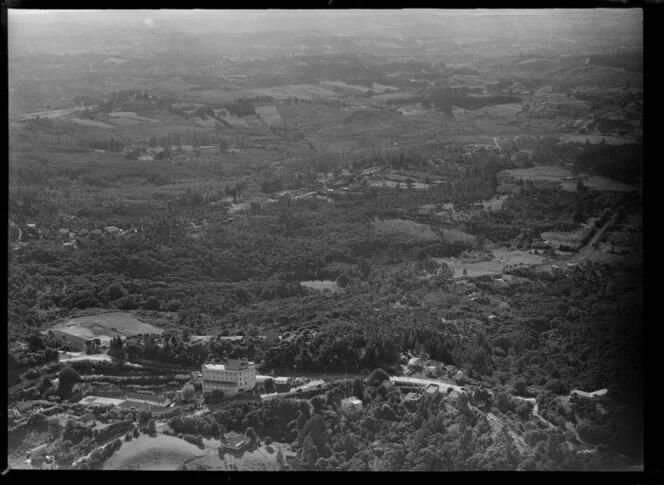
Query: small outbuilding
(432, 390)
(351, 405)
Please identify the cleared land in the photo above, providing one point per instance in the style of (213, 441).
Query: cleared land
(107, 325)
(159, 453)
(409, 228)
(270, 115)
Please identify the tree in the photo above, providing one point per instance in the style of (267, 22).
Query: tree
(115, 348)
(173, 305)
(152, 427)
(358, 388)
(308, 453)
(343, 280)
(44, 385)
(269, 386)
(556, 386)
(188, 393)
(116, 291)
(66, 380)
(280, 458)
(377, 376)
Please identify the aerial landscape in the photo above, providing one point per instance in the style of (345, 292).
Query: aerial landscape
(270, 240)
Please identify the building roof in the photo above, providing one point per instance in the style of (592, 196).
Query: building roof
(412, 396)
(216, 381)
(432, 388)
(351, 400)
(232, 363)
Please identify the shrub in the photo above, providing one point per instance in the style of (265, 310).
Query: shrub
(194, 440)
(129, 436)
(152, 303)
(116, 291)
(377, 376)
(534, 436)
(173, 305)
(127, 303)
(556, 386)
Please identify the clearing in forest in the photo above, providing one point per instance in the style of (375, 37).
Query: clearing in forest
(402, 226)
(159, 453)
(106, 325)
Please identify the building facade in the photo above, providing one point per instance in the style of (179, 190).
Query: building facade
(232, 378)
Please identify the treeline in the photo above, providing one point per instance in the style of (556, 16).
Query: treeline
(444, 98)
(621, 162)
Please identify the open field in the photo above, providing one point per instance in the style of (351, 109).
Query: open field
(129, 117)
(502, 257)
(107, 325)
(270, 115)
(159, 453)
(404, 227)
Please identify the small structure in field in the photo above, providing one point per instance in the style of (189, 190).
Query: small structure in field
(432, 390)
(351, 405)
(234, 441)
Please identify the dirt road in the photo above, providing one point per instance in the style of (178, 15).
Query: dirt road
(585, 251)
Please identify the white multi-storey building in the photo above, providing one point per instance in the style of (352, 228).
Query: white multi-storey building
(232, 378)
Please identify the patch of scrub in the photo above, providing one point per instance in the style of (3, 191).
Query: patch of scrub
(320, 285)
(402, 226)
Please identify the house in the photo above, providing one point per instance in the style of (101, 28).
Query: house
(411, 399)
(431, 367)
(235, 441)
(415, 362)
(351, 405)
(232, 378)
(458, 375)
(432, 390)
